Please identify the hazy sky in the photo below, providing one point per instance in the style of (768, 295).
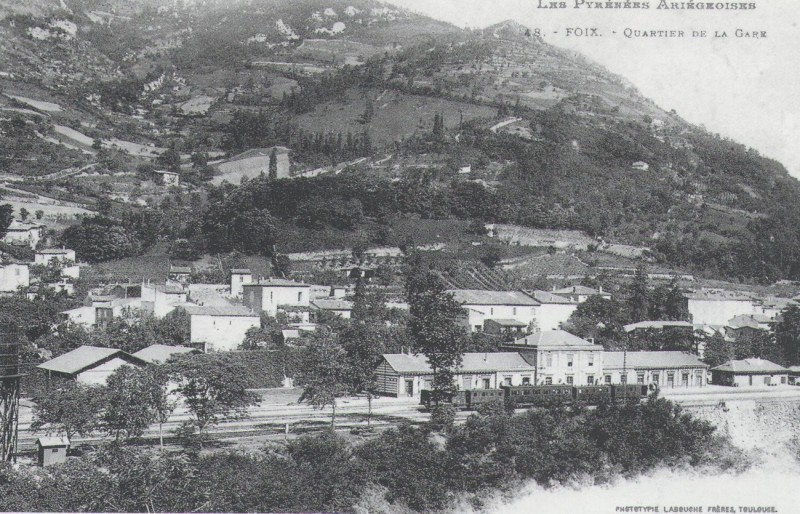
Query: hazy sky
(746, 89)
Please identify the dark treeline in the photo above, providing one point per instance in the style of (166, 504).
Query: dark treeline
(412, 467)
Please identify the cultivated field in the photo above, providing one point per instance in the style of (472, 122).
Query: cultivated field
(396, 115)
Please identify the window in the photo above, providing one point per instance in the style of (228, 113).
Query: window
(270, 296)
(640, 378)
(486, 383)
(526, 380)
(783, 380)
(685, 379)
(507, 381)
(549, 357)
(548, 380)
(767, 380)
(491, 311)
(515, 311)
(570, 357)
(54, 450)
(300, 296)
(589, 379)
(607, 379)
(591, 359)
(670, 379)
(569, 380)
(655, 378)
(478, 328)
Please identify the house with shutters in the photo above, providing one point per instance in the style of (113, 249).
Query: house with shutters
(274, 294)
(559, 357)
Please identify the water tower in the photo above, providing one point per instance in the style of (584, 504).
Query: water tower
(9, 391)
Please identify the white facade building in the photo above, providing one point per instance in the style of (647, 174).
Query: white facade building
(560, 357)
(14, 276)
(483, 305)
(716, 307)
(219, 329)
(271, 294)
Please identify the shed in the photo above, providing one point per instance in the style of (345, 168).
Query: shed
(52, 450)
(89, 364)
(749, 373)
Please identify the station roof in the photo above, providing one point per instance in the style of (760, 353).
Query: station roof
(471, 363)
(651, 360)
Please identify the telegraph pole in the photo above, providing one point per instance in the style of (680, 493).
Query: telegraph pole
(9, 392)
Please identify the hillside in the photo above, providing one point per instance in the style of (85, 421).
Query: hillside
(491, 124)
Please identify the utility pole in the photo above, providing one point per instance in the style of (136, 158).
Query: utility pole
(9, 392)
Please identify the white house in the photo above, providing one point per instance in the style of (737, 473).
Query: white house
(168, 178)
(240, 277)
(24, 233)
(90, 365)
(482, 305)
(559, 357)
(272, 294)
(161, 299)
(220, 328)
(716, 307)
(405, 376)
(62, 255)
(13, 276)
(553, 309)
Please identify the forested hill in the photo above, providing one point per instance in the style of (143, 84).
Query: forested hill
(489, 124)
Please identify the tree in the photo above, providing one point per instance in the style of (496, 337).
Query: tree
(273, 164)
(324, 371)
(434, 327)
(717, 350)
(39, 214)
(282, 265)
(70, 409)
(99, 239)
(601, 319)
(170, 159)
(369, 111)
(213, 387)
(23, 214)
(364, 341)
(787, 334)
(129, 408)
(638, 296)
(6, 217)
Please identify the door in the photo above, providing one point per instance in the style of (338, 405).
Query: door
(467, 383)
(486, 383)
(409, 388)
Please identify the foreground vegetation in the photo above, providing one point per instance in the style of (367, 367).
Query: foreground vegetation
(423, 469)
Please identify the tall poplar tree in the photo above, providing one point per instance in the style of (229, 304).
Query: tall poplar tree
(434, 328)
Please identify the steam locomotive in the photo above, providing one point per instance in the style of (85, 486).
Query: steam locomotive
(526, 396)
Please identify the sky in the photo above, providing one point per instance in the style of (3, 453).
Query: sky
(743, 88)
